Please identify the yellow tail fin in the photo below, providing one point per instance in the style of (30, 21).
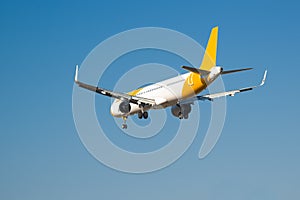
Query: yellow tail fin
(210, 55)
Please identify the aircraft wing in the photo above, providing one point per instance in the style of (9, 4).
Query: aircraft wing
(210, 97)
(117, 95)
(232, 92)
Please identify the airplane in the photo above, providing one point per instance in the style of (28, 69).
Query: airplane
(179, 92)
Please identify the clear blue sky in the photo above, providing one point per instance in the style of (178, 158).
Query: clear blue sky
(41, 155)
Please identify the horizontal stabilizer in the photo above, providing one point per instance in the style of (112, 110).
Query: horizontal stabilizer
(196, 70)
(235, 70)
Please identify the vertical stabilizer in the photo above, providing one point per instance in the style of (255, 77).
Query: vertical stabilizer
(210, 55)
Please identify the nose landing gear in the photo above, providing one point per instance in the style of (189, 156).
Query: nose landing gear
(124, 125)
(141, 115)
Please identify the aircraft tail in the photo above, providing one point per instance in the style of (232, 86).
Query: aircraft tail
(210, 55)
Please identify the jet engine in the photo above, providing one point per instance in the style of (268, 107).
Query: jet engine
(181, 110)
(125, 107)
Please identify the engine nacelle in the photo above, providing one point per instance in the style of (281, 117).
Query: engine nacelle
(183, 110)
(186, 109)
(176, 110)
(125, 107)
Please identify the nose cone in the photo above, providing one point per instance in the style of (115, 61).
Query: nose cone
(114, 109)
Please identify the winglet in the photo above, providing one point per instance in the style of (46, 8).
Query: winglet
(76, 74)
(264, 78)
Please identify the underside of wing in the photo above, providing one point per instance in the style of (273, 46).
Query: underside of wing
(232, 92)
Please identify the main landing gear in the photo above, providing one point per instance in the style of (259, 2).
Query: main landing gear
(183, 116)
(142, 115)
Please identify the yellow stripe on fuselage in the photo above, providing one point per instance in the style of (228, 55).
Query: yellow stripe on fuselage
(134, 92)
(193, 85)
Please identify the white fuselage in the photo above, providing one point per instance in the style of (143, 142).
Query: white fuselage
(168, 92)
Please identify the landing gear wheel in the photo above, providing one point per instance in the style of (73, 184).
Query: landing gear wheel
(145, 115)
(185, 116)
(180, 116)
(140, 115)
